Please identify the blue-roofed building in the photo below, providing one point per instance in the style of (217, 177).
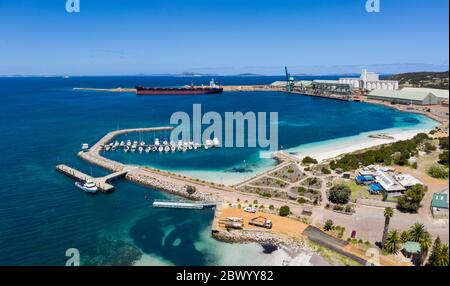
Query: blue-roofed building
(365, 180)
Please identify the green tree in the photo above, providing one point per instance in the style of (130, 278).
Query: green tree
(393, 242)
(339, 194)
(284, 211)
(388, 214)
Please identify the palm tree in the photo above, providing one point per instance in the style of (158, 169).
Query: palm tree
(416, 232)
(419, 234)
(404, 236)
(443, 257)
(393, 242)
(388, 213)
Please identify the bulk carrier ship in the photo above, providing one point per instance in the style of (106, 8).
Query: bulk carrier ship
(213, 88)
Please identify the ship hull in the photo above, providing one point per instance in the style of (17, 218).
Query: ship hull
(177, 91)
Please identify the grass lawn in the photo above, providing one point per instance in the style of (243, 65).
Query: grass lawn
(358, 191)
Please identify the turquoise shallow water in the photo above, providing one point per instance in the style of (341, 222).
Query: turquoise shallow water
(43, 122)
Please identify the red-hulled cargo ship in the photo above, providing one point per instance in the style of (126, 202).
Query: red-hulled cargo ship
(213, 88)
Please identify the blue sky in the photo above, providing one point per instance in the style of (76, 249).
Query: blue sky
(118, 37)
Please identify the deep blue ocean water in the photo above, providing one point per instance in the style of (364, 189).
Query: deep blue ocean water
(44, 121)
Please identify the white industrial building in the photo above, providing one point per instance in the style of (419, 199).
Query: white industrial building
(442, 94)
(370, 81)
(405, 97)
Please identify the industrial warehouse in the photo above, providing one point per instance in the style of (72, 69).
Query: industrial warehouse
(411, 97)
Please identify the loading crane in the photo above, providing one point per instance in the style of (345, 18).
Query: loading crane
(290, 81)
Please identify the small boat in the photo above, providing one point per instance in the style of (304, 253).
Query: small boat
(107, 148)
(180, 148)
(165, 143)
(184, 149)
(128, 143)
(126, 149)
(154, 149)
(167, 149)
(160, 148)
(85, 147)
(113, 148)
(142, 143)
(141, 149)
(216, 142)
(133, 148)
(135, 142)
(173, 148)
(157, 142)
(148, 149)
(88, 187)
(116, 144)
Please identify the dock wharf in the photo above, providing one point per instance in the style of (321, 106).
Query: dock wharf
(103, 183)
(183, 205)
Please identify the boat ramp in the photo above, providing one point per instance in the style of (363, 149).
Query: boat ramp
(183, 205)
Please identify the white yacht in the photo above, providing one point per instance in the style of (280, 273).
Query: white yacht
(133, 148)
(141, 149)
(157, 142)
(160, 148)
(107, 148)
(126, 149)
(167, 149)
(173, 148)
(148, 149)
(122, 143)
(85, 147)
(128, 143)
(142, 143)
(88, 186)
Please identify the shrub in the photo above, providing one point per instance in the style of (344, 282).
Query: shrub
(443, 158)
(284, 211)
(326, 171)
(348, 209)
(301, 190)
(291, 171)
(329, 225)
(339, 194)
(443, 143)
(301, 201)
(271, 207)
(190, 190)
(438, 172)
(308, 160)
(430, 147)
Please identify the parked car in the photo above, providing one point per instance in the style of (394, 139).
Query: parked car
(250, 210)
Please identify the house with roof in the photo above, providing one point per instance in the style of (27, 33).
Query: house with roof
(439, 205)
(389, 183)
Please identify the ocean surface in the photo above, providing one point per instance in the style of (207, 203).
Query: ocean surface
(44, 121)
